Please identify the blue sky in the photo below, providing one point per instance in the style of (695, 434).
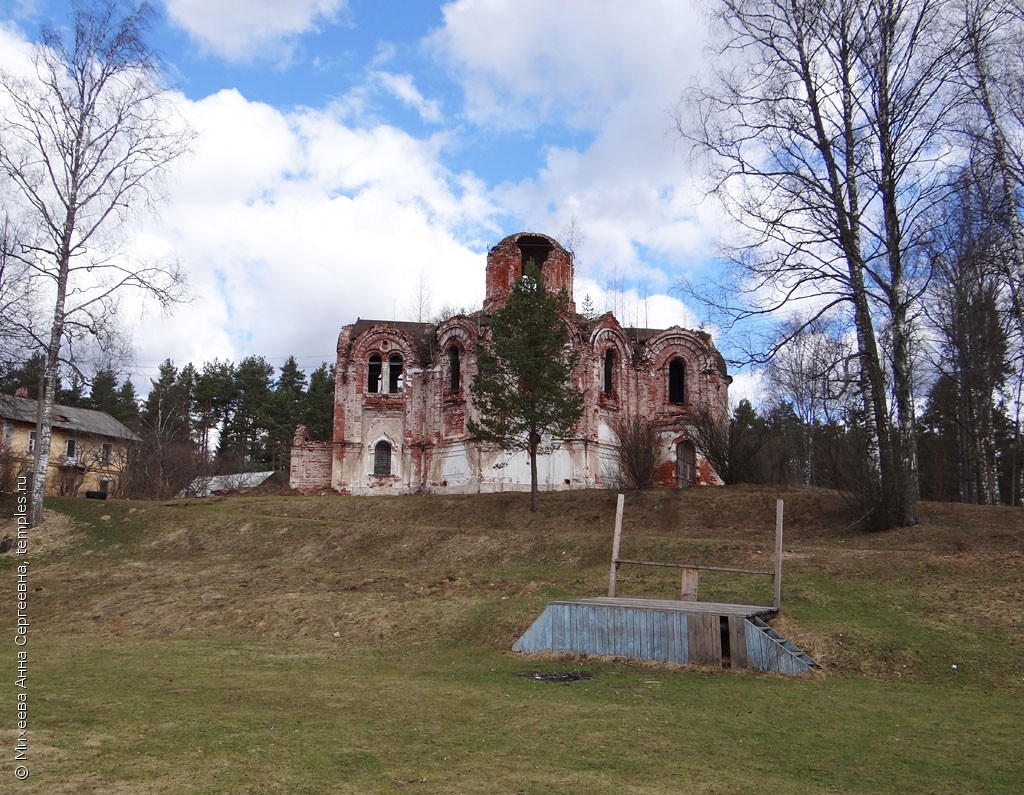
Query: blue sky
(353, 157)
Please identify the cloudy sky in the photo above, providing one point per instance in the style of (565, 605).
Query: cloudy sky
(355, 157)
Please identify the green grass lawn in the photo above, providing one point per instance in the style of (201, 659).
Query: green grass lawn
(290, 645)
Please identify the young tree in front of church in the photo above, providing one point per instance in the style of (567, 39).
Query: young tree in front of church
(523, 388)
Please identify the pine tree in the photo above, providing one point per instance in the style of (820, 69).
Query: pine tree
(215, 401)
(167, 459)
(27, 375)
(126, 405)
(74, 393)
(318, 413)
(103, 391)
(243, 443)
(285, 412)
(523, 387)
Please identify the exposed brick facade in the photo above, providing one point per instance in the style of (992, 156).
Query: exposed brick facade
(402, 397)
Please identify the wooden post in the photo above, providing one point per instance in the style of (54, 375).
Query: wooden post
(691, 577)
(615, 545)
(777, 576)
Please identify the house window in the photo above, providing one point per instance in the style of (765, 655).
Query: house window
(374, 373)
(104, 486)
(609, 372)
(106, 452)
(454, 369)
(396, 374)
(382, 459)
(31, 441)
(677, 381)
(71, 449)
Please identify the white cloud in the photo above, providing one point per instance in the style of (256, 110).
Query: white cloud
(15, 52)
(571, 61)
(240, 30)
(616, 76)
(633, 308)
(403, 88)
(747, 386)
(291, 225)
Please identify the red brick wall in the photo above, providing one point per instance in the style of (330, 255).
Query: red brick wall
(311, 466)
(425, 423)
(505, 265)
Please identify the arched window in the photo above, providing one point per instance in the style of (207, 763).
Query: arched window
(396, 374)
(609, 372)
(454, 369)
(382, 459)
(374, 373)
(677, 381)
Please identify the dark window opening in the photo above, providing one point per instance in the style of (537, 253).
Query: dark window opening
(454, 369)
(609, 372)
(373, 378)
(72, 448)
(396, 374)
(104, 486)
(106, 452)
(677, 381)
(382, 459)
(533, 248)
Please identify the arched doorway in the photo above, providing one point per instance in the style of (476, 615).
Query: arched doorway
(686, 465)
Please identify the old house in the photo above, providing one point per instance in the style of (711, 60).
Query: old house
(88, 449)
(403, 395)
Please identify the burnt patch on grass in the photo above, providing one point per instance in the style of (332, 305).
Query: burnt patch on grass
(556, 676)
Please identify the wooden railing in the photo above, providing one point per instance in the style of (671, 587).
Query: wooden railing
(691, 571)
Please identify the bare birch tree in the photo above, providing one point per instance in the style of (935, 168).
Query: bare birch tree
(83, 144)
(908, 63)
(822, 134)
(16, 297)
(993, 73)
(811, 374)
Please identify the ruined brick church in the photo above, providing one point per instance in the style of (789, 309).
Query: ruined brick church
(402, 397)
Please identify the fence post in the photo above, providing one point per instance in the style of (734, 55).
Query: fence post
(615, 545)
(691, 577)
(777, 576)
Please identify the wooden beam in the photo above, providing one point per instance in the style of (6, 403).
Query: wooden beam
(738, 642)
(697, 566)
(704, 638)
(615, 545)
(778, 555)
(691, 579)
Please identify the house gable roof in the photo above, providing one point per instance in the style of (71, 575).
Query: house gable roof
(68, 418)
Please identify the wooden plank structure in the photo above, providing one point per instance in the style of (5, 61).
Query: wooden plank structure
(683, 631)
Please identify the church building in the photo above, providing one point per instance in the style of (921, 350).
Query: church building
(402, 398)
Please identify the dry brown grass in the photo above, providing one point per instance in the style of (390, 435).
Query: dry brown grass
(384, 570)
(285, 644)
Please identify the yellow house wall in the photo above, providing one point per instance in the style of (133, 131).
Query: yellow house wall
(88, 455)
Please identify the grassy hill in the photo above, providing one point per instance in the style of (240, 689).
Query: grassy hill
(327, 644)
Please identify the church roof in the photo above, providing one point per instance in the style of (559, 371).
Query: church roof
(416, 331)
